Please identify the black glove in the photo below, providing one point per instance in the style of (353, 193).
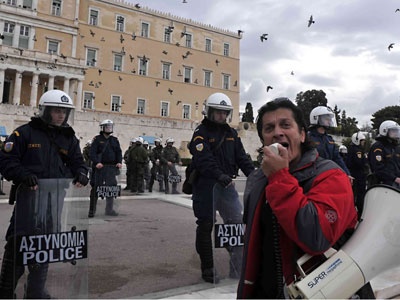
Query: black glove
(224, 180)
(30, 180)
(81, 178)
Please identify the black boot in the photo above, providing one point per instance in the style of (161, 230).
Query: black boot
(35, 284)
(205, 251)
(109, 207)
(10, 272)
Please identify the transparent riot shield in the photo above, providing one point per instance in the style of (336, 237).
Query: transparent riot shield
(107, 189)
(228, 232)
(48, 237)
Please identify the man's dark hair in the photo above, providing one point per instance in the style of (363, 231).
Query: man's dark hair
(298, 116)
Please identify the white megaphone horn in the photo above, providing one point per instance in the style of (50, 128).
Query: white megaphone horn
(373, 249)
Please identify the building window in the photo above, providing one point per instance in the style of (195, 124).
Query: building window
(117, 62)
(167, 35)
(143, 66)
(188, 75)
(93, 17)
(226, 49)
(164, 109)
(145, 30)
(188, 40)
(226, 81)
(186, 112)
(8, 33)
(166, 71)
(88, 100)
(208, 45)
(56, 8)
(116, 103)
(12, 2)
(24, 37)
(53, 47)
(207, 78)
(91, 57)
(120, 23)
(27, 4)
(141, 104)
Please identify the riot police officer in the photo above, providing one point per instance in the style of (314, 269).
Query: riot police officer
(44, 148)
(321, 119)
(216, 151)
(104, 152)
(382, 151)
(169, 158)
(156, 169)
(147, 175)
(137, 158)
(358, 166)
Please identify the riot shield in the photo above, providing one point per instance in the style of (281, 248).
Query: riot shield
(48, 236)
(228, 232)
(107, 189)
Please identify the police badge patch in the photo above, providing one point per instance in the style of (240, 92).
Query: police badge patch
(200, 147)
(378, 158)
(8, 146)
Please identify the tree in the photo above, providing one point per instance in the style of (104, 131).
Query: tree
(308, 100)
(387, 113)
(248, 114)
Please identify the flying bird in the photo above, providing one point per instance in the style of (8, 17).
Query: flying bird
(1, 36)
(390, 46)
(217, 62)
(240, 32)
(170, 91)
(103, 39)
(91, 32)
(131, 57)
(100, 72)
(311, 21)
(137, 5)
(133, 36)
(263, 37)
(184, 1)
(397, 9)
(269, 88)
(105, 103)
(121, 39)
(165, 52)
(63, 56)
(157, 83)
(120, 78)
(178, 102)
(292, 73)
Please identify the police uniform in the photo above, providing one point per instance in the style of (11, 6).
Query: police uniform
(48, 152)
(107, 151)
(155, 158)
(358, 166)
(170, 154)
(379, 154)
(216, 150)
(137, 158)
(327, 148)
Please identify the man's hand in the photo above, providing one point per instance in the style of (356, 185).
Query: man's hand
(81, 179)
(31, 181)
(224, 180)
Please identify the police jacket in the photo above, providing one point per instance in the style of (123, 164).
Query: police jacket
(357, 162)
(138, 155)
(156, 154)
(170, 154)
(327, 148)
(212, 160)
(105, 150)
(37, 148)
(380, 153)
(310, 222)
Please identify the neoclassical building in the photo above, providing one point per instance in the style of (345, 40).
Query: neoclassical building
(115, 57)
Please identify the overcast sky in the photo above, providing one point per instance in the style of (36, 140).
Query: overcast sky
(344, 53)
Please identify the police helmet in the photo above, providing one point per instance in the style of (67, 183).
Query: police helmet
(169, 141)
(107, 126)
(357, 137)
(343, 149)
(54, 98)
(390, 129)
(218, 101)
(322, 116)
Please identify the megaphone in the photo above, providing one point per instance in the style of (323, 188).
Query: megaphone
(373, 249)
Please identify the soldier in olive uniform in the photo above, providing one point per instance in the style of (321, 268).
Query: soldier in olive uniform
(169, 158)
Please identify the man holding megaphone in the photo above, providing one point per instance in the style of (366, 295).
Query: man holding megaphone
(296, 203)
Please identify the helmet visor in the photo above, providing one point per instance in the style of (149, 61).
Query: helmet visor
(394, 133)
(108, 128)
(327, 120)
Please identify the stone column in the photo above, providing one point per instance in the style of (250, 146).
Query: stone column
(17, 88)
(50, 85)
(78, 103)
(2, 72)
(66, 85)
(34, 90)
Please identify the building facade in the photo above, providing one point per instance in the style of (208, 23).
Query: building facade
(115, 57)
